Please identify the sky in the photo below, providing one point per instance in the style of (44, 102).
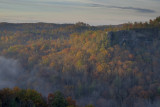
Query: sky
(93, 12)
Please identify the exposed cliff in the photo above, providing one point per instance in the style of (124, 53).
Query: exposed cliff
(134, 38)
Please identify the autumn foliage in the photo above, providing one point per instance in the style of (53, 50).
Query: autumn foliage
(84, 63)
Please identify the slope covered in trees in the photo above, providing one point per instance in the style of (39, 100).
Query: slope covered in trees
(117, 66)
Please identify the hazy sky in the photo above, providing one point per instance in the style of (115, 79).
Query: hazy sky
(94, 12)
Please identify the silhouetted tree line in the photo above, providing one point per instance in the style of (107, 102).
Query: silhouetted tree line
(17, 97)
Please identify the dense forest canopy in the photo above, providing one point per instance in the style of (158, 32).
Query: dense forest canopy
(106, 66)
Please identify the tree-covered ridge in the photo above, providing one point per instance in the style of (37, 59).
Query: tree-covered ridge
(155, 23)
(111, 67)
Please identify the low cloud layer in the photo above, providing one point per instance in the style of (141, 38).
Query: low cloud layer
(9, 71)
(12, 74)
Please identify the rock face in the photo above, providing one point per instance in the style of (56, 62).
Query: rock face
(133, 38)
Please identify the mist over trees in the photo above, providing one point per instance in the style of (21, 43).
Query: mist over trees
(106, 66)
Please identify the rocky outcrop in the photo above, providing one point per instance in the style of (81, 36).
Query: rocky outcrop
(133, 38)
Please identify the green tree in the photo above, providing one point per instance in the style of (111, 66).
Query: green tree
(58, 100)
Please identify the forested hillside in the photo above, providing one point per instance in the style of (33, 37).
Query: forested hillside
(106, 66)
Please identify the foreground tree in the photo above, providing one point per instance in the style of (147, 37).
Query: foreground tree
(57, 100)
